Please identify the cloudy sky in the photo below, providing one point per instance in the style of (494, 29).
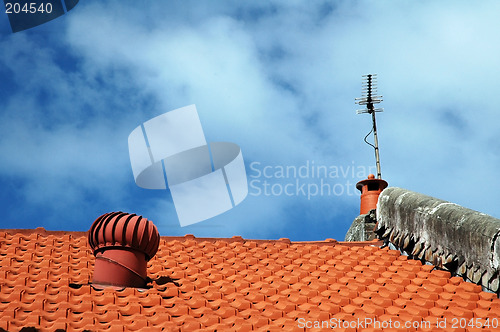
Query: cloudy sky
(277, 78)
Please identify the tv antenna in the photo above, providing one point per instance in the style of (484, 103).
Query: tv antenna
(370, 98)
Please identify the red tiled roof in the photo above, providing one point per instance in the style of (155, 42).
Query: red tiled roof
(229, 284)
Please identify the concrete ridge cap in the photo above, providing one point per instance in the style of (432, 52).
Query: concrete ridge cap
(443, 233)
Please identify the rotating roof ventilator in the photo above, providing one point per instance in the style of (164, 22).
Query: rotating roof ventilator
(122, 244)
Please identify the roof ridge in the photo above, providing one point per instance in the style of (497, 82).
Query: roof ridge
(327, 241)
(451, 237)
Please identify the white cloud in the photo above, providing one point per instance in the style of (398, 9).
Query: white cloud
(278, 79)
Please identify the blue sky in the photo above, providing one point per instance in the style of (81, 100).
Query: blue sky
(277, 78)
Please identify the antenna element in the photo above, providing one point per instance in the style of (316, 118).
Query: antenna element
(370, 98)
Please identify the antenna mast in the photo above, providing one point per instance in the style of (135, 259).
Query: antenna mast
(370, 98)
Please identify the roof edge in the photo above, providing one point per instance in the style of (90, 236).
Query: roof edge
(328, 241)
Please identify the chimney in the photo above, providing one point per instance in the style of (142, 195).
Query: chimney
(370, 190)
(122, 243)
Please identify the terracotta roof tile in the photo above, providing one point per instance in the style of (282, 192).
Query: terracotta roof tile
(225, 284)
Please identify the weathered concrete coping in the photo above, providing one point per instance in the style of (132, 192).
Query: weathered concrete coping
(452, 237)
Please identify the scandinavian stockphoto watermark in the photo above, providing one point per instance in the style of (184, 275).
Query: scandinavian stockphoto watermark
(374, 323)
(170, 151)
(363, 323)
(309, 179)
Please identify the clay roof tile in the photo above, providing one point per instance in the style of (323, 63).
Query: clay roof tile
(224, 284)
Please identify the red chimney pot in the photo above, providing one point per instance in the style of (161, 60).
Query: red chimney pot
(370, 190)
(122, 243)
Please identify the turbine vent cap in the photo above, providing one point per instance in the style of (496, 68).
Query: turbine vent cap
(122, 243)
(120, 229)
